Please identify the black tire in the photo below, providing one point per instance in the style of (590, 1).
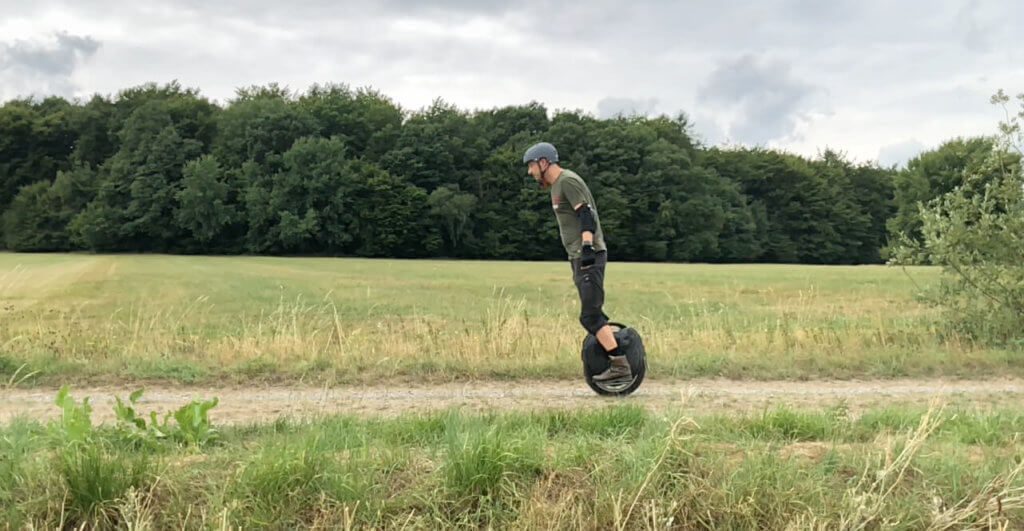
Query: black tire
(595, 362)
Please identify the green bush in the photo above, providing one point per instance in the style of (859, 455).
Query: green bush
(975, 233)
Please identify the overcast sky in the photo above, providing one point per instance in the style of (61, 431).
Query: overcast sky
(880, 80)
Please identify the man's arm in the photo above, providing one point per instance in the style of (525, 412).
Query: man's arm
(587, 224)
(575, 194)
(587, 228)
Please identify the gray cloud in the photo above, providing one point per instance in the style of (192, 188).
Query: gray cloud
(490, 7)
(986, 26)
(974, 34)
(45, 66)
(48, 59)
(767, 99)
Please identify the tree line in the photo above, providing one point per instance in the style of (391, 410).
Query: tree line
(337, 171)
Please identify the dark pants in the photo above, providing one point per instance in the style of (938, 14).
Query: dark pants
(590, 285)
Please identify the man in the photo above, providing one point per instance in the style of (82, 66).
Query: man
(580, 229)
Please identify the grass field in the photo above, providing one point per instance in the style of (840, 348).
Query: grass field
(84, 318)
(199, 319)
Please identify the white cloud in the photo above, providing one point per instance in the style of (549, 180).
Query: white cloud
(899, 153)
(612, 107)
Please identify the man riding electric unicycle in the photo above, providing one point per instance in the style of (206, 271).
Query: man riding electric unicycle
(613, 354)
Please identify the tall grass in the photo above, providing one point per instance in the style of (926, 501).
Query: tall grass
(615, 467)
(96, 480)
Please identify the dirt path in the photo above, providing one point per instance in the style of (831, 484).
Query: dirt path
(260, 404)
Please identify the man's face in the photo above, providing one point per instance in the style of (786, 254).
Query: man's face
(535, 169)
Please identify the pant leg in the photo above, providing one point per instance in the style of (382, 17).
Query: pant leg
(590, 286)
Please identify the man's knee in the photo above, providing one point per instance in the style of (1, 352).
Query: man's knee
(593, 321)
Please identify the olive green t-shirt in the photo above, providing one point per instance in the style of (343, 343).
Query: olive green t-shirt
(568, 191)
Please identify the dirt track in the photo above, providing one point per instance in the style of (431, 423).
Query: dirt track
(259, 404)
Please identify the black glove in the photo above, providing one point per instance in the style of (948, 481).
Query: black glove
(589, 256)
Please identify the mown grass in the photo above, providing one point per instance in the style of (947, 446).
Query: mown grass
(612, 467)
(78, 318)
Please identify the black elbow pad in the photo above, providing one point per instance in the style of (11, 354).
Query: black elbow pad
(586, 217)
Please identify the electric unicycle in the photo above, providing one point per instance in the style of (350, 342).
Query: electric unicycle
(595, 361)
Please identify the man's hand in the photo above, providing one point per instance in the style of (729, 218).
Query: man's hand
(589, 257)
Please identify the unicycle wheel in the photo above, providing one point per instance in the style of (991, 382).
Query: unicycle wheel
(595, 362)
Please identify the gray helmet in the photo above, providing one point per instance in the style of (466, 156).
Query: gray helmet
(541, 150)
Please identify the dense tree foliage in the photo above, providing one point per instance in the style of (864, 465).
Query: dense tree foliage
(336, 171)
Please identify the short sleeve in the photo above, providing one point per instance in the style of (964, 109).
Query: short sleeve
(574, 192)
